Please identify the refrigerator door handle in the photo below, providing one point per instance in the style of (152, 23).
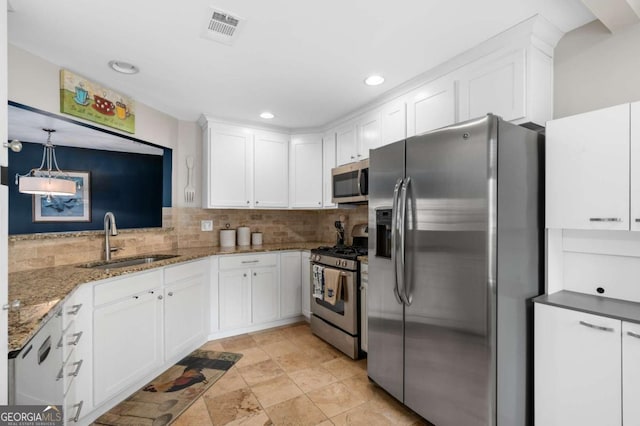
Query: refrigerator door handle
(394, 239)
(402, 226)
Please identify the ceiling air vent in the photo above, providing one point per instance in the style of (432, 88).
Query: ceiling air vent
(222, 26)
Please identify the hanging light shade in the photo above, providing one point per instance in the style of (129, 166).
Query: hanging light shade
(45, 180)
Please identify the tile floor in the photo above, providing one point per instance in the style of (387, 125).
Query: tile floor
(287, 376)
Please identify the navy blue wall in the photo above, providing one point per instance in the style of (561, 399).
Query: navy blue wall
(129, 185)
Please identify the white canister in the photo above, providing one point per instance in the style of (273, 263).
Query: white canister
(244, 234)
(227, 238)
(256, 238)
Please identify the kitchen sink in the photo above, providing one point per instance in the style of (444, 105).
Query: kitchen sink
(128, 261)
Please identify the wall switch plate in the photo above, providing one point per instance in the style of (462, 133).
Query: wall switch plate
(206, 225)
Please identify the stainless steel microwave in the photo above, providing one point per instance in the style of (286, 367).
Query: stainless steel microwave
(350, 183)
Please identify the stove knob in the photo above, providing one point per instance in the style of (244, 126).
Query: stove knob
(344, 263)
(317, 257)
(337, 263)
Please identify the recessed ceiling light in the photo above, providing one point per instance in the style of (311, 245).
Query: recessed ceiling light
(123, 67)
(267, 115)
(374, 80)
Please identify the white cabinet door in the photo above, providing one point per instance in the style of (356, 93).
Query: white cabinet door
(587, 170)
(127, 340)
(229, 167)
(577, 368)
(306, 171)
(494, 85)
(346, 144)
(635, 166)
(306, 283)
(328, 163)
(290, 284)
(431, 106)
(393, 122)
(264, 294)
(630, 373)
(368, 135)
(234, 287)
(271, 170)
(186, 311)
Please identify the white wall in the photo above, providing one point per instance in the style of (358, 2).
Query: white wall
(596, 69)
(190, 144)
(35, 82)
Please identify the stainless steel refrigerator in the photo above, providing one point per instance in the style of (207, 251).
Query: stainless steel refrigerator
(455, 259)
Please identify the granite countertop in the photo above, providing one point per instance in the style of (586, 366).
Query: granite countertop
(42, 291)
(597, 305)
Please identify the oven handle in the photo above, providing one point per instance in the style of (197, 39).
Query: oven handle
(394, 238)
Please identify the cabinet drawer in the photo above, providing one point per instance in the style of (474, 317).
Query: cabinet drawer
(248, 261)
(183, 271)
(126, 286)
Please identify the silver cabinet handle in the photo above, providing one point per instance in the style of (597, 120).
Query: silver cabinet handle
(151, 292)
(78, 365)
(170, 293)
(632, 334)
(605, 219)
(244, 275)
(352, 157)
(10, 306)
(248, 202)
(75, 418)
(76, 339)
(638, 220)
(159, 297)
(74, 309)
(250, 261)
(597, 327)
(255, 274)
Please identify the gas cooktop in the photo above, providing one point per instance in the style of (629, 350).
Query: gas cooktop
(344, 252)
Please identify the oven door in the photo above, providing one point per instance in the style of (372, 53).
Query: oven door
(344, 313)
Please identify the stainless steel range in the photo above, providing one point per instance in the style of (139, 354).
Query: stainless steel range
(338, 321)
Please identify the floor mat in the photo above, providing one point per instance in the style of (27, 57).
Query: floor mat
(163, 399)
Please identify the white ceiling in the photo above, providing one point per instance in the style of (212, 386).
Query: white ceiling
(305, 61)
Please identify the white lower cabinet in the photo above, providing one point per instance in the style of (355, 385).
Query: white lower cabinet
(579, 369)
(305, 262)
(290, 284)
(127, 337)
(186, 307)
(264, 294)
(631, 374)
(235, 298)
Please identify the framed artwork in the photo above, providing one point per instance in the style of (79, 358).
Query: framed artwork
(63, 208)
(94, 102)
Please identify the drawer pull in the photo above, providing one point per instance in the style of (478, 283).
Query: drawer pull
(638, 220)
(605, 219)
(74, 309)
(75, 418)
(170, 293)
(632, 334)
(76, 339)
(250, 261)
(597, 327)
(78, 365)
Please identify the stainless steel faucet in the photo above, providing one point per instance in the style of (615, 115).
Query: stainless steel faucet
(109, 229)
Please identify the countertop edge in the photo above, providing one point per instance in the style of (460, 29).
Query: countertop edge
(623, 310)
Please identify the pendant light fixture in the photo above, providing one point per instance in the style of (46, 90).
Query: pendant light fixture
(46, 180)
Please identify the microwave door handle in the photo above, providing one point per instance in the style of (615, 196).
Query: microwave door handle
(359, 184)
(362, 187)
(394, 237)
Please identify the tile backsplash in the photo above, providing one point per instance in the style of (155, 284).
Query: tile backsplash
(181, 229)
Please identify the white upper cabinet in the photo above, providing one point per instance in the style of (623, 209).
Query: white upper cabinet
(393, 122)
(369, 136)
(228, 167)
(494, 85)
(244, 167)
(346, 144)
(328, 163)
(306, 171)
(431, 106)
(271, 170)
(587, 170)
(635, 166)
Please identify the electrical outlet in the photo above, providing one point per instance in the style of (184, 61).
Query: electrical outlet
(206, 225)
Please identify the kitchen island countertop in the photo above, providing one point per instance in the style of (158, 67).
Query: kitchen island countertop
(42, 291)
